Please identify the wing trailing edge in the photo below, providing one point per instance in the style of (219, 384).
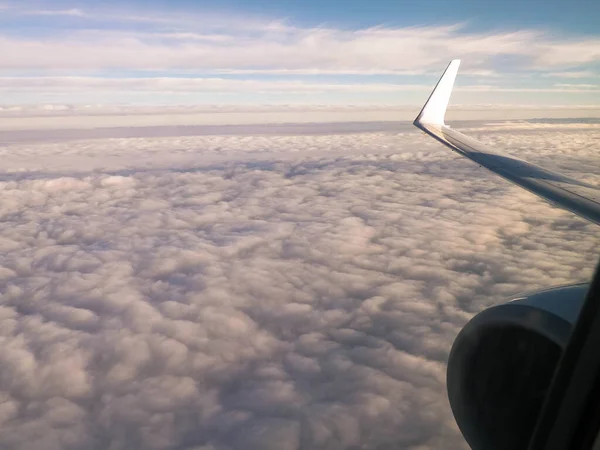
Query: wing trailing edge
(580, 198)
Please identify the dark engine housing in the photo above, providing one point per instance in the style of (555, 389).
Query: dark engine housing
(502, 363)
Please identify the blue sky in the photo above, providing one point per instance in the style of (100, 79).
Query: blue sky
(298, 52)
(570, 16)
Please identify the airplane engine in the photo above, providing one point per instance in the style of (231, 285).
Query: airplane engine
(502, 363)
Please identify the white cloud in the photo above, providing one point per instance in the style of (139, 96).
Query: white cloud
(73, 12)
(122, 46)
(215, 89)
(264, 48)
(559, 87)
(42, 123)
(580, 86)
(572, 74)
(168, 85)
(577, 52)
(303, 298)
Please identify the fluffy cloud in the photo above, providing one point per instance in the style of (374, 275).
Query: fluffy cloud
(300, 292)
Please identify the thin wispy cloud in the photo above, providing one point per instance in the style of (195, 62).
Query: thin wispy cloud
(165, 84)
(300, 49)
(224, 85)
(572, 74)
(577, 86)
(74, 12)
(263, 53)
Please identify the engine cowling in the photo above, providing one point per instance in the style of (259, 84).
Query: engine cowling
(502, 362)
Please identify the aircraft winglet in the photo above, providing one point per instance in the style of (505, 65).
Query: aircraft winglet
(580, 198)
(435, 109)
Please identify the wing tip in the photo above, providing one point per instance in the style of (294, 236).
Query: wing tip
(434, 110)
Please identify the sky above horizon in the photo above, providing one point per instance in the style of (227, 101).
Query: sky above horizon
(186, 52)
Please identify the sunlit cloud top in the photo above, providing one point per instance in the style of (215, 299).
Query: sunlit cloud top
(78, 54)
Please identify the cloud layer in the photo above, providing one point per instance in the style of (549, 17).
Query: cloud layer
(296, 302)
(94, 53)
(308, 50)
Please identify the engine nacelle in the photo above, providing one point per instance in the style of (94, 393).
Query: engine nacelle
(502, 362)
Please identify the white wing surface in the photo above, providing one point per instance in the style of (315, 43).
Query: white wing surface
(580, 198)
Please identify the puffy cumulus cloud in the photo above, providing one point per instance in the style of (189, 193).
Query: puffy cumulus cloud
(281, 142)
(296, 303)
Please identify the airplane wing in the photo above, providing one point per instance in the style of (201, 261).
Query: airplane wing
(580, 198)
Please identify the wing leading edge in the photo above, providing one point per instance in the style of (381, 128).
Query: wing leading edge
(580, 198)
